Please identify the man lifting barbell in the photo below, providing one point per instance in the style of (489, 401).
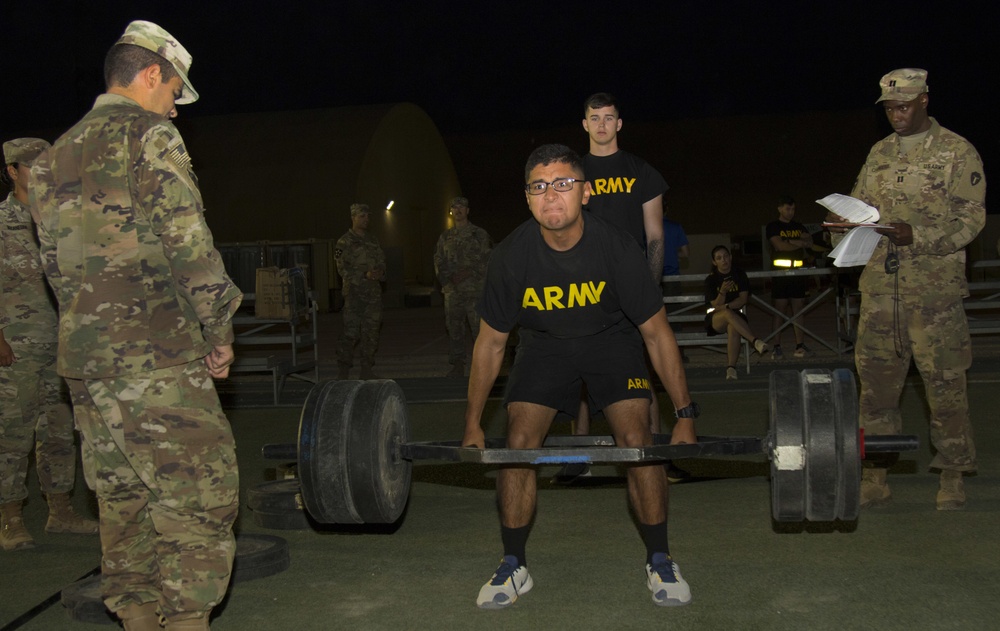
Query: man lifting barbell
(578, 287)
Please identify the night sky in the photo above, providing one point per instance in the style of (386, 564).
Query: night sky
(477, 66)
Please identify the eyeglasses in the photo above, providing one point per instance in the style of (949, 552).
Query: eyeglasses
(560, 185)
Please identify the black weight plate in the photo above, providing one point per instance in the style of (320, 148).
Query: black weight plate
(324, 434)
(848, 448)
(822, 461)
(380, 478)
(83, 602)
(276, 496)
(281, 520)
(787, 466)
(258, 556)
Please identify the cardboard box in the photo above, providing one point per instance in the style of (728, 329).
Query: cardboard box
(281, 294)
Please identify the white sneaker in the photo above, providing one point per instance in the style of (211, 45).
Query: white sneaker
(731, 374)
(760, 346)
(663, 578)
(508, 582)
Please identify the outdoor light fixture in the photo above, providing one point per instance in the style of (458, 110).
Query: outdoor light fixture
(389, 206)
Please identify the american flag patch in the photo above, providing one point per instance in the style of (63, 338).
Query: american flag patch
(180, 157)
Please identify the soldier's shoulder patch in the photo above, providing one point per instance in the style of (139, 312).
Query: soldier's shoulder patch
(177, 153)
(338, 252)
(975, 178)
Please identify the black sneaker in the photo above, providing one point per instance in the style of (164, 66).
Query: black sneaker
(572, 472)
(675, 474)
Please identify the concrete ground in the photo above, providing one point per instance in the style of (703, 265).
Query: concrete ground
(904, 566)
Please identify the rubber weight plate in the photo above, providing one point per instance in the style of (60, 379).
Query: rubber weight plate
(380, 478)
(822, 461)
(845, 395)
(786, 442)
(323, 445)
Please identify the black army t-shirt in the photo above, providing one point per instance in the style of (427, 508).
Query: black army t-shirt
(620, 184)
(714, 281)
(599, 285)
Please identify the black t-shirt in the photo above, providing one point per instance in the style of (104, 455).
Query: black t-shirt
(714, 281)
(601, 284)
(785, 230)
(621, 183)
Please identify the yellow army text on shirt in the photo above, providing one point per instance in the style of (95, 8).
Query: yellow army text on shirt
(139, 282)
(939, 189)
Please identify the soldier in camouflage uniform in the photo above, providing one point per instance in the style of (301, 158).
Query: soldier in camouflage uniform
(460, 264)
(145, 310)
(34, 405)
(927, 183)
(361, 265)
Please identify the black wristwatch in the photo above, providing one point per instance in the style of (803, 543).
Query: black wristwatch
(691, 410)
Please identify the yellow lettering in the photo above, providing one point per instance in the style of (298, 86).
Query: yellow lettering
(553, 295)
(600, 186)
(580, 295)
(596, 291)
(631, 385)
(531, 300)
(628, 184)
(615, 185)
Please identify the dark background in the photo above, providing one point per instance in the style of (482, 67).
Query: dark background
(512, 74)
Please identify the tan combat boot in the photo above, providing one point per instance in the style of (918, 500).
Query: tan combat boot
(62, 517)
(144, 617)
(199, 623)
(951, 495)
(13, 534)
(874, 490)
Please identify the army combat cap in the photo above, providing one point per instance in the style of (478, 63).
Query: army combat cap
(359, 209)
(23, 150)
(460, 201)
(152, 37)
(904, 84)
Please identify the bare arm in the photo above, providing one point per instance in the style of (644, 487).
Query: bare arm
(666, 357)
(667, 362)
(487, 357)
(652, 219)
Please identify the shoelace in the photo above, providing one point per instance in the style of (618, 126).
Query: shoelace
(504, 572)
(665, 571)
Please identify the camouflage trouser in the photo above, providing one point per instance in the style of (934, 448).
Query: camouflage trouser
(459, 311)
(362, 319)
(167, 485)
(935, 333)
(34, 412)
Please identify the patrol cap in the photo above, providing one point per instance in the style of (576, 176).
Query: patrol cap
(23, 150)
(154, 38)
(460, 201)
(359, 209)
(904, 84)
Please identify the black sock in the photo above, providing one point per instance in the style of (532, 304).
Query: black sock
(514, 541)
(655, 538)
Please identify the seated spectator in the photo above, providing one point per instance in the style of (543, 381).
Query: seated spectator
(727, 291)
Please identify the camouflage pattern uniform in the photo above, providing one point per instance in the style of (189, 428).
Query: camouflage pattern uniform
(460, 261)
(143, 298)
(939, 189)
(356, 255)
(34, 404)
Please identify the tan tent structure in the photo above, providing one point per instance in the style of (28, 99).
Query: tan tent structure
(292, 176)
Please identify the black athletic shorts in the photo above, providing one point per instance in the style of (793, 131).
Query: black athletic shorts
(550, 371)
(790, 287)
